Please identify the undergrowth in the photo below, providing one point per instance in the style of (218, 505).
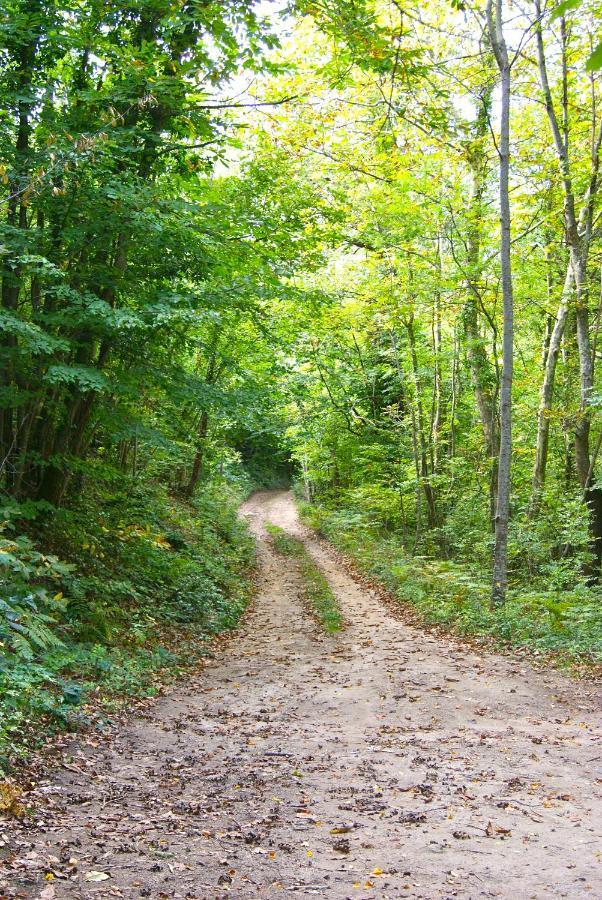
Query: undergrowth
(565, 622)
(316, 589)
(114, 597)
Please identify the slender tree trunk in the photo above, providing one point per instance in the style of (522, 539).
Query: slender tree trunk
(438, 408)
(578, 234)
(455, 392)
(483, 378)
(546, 397)
(197, 463)
(18, 189)
(416, 452)
(212, 375)
(422, 446)
(500, 556)
(586, 371)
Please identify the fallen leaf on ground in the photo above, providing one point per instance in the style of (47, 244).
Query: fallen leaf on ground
(48, 893)
(96, 876)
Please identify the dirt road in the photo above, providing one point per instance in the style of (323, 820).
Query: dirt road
(381, 762)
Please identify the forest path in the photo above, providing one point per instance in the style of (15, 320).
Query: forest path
(447, 773)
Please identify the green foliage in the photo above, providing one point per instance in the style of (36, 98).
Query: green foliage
(133, 304)
(149, 580)
(548, 618)
(594, 60)
(30, 599)
(135, 286)
(565, 6)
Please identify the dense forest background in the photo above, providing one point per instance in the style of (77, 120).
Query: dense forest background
(244, 244)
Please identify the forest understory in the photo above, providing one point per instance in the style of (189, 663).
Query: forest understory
(378, 761)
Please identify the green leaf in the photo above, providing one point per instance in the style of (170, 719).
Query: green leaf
(85, 378)
(565, 7)
(594, 62)
(30, 335)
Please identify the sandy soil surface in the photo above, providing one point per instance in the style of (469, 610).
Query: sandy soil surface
(381, 762)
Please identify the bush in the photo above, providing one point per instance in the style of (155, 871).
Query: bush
(127, 590)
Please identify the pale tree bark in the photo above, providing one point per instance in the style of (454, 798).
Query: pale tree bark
(578, 230)
(500, 555)
(421, 444)
(578, 235)
(455, 393)
(546, 396)
(438, 405)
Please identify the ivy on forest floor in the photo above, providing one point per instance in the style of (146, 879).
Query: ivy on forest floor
(316, 589)
(567, 624)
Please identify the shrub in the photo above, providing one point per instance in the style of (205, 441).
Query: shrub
(133, 588)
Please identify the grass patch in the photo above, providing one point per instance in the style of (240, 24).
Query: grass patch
(566, 623)
(316, 589)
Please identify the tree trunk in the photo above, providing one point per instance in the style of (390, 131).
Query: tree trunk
(438, 406)
(546, 397)
(422, 446)
(455, 393)
(197, 463)
(483, 378)
(578, 233)
(212, 375)
(18, 189)
(586, 370)
(500, 555)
